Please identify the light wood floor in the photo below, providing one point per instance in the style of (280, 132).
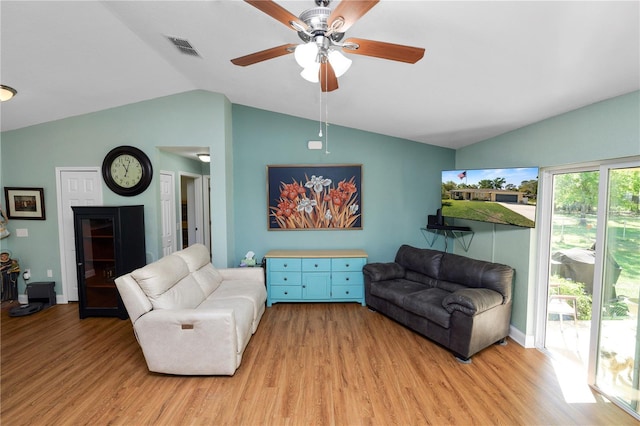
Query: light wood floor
(326, 364)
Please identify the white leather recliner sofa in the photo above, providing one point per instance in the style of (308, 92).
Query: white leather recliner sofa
(191, 318)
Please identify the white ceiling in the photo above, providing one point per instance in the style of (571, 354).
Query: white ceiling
(489, 67)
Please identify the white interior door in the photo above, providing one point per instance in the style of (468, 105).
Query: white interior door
(75, 187)
(190, 193)
(198, 203)
(168, 209)
(206, 199)
(192, 213)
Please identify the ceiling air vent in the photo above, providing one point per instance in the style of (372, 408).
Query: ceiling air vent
(184, 46)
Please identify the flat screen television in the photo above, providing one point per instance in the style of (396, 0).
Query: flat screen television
(504, 196)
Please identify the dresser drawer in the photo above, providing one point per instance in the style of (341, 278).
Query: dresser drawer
(312, 265)
(285, 292)
(285, 264)
(347, 278)
(348, 264)
(285, 278)
(346, 292)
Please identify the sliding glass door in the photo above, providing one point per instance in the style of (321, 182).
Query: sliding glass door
(615, 361)
(571, 263)
(590, 252)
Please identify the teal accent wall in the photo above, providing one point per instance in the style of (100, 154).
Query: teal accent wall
(400, 184)
(605, 130)
(30, 156)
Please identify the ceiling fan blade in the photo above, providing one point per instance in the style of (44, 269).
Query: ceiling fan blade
(380, 49)
(328, 79)
(276, 11)
(350, 11)
(263, 55)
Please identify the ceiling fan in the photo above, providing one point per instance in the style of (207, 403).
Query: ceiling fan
(322, 31)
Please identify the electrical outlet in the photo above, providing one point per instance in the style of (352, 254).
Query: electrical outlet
(49, 273)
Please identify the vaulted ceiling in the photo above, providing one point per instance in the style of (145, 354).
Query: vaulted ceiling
(489, 67)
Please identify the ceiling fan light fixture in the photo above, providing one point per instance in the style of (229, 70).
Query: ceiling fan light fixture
(306, 54)
(339, 62)
(205, 158)
(6, 92)
(311, 73)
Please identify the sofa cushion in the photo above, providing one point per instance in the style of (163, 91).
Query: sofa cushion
(168, 285)
(449, 286)
(425, 261)
(195, 256)
(185, 294)
(477, 274)
(395, 290)
(197, 259)
(428, 304)
(208, 278)
(421, 278)
(248, 290)
(158, 277)
(242, 312)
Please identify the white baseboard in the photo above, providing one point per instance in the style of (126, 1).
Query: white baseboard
(520, 338)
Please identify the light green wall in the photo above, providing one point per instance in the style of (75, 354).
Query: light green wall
(400, 183)
(605, 130)
(401, 178)
(31, 155)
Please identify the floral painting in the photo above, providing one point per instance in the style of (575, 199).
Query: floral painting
(314, 197)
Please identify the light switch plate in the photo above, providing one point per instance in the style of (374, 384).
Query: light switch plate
(314, 145)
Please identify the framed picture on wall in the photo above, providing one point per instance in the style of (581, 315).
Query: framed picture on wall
(25, 203)
(320, 197)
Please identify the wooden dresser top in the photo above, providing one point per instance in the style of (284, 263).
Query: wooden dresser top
(315, 253)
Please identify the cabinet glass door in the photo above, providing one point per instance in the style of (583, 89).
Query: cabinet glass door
(99, 266)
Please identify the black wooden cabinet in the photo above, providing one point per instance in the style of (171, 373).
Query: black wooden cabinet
(109, 243)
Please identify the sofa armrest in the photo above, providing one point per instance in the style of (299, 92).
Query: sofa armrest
(472, 301)
(383, 271)
(247, 274)
(135, 301)
(189, 341)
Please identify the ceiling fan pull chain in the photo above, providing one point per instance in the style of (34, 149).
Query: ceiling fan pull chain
(320, 120)
(326, 113)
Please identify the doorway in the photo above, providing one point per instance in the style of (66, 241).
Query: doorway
(193, 199)
(590, 265)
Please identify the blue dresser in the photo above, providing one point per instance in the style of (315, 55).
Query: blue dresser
(315, 276)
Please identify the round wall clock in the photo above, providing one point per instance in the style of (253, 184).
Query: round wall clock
(127, 170)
